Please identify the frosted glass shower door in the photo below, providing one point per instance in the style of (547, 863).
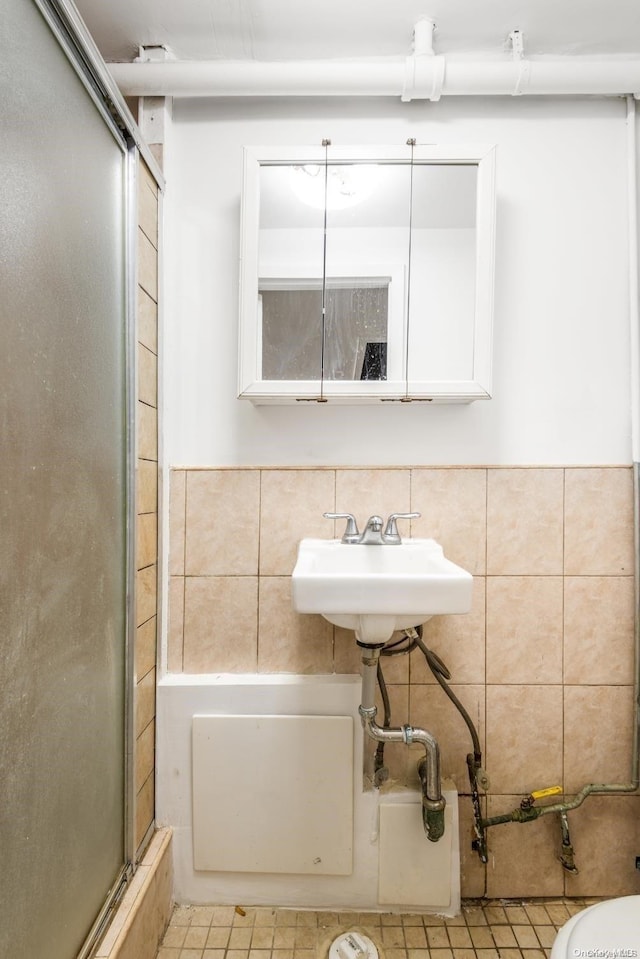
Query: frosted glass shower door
(63, 499)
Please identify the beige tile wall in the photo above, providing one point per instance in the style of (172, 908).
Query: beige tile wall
(146, 500)
(543, 663)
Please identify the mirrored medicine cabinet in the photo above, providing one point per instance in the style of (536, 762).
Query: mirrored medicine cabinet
(366, 274)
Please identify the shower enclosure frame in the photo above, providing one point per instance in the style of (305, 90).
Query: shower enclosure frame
(75, 41)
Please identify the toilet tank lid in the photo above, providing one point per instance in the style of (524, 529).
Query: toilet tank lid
(610, 925)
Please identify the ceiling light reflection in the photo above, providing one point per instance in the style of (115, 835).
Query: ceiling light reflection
(347, 184)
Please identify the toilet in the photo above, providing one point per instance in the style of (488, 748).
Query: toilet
(610, 928)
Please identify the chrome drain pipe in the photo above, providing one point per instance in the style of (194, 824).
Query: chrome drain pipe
(433, 802)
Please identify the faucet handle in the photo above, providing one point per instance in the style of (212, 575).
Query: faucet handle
(391, 534)
(351, 534)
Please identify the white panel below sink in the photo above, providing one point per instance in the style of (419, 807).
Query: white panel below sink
(273, 794)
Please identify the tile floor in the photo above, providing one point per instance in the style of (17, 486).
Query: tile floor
(489, 929)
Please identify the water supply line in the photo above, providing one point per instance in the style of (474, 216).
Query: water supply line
(433, 802)
(422, 75)
(478, 778)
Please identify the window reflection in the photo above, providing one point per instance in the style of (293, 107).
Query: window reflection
(356, 330)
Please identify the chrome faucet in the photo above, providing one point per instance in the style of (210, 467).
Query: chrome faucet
(373, 534)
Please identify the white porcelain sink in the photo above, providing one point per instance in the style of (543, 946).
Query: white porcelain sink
(376, 590)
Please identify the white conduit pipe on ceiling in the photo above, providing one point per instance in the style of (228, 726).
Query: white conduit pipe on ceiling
(418, 77)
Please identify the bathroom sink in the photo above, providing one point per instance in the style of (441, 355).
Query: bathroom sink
(376, 590)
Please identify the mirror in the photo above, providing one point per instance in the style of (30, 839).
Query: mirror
(443, 274)
(361, 274)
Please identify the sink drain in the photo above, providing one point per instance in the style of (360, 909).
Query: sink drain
(352, 945)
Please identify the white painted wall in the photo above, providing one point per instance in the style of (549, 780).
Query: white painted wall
(561, 378)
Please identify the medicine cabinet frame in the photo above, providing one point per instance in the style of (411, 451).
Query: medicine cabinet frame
(476, 386)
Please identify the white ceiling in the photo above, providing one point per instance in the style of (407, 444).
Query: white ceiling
(302, 29)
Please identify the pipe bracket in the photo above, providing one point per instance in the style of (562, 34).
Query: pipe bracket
(523, 78)
(423, 78)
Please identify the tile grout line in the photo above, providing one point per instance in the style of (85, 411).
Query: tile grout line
(184, 566)
(259, 570)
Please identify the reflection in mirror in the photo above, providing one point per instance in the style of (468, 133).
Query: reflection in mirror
(290, 267)
(356, 326)
(347, 185)
(443, 257)
(292, 346)
(371, 228)
(367, 223)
